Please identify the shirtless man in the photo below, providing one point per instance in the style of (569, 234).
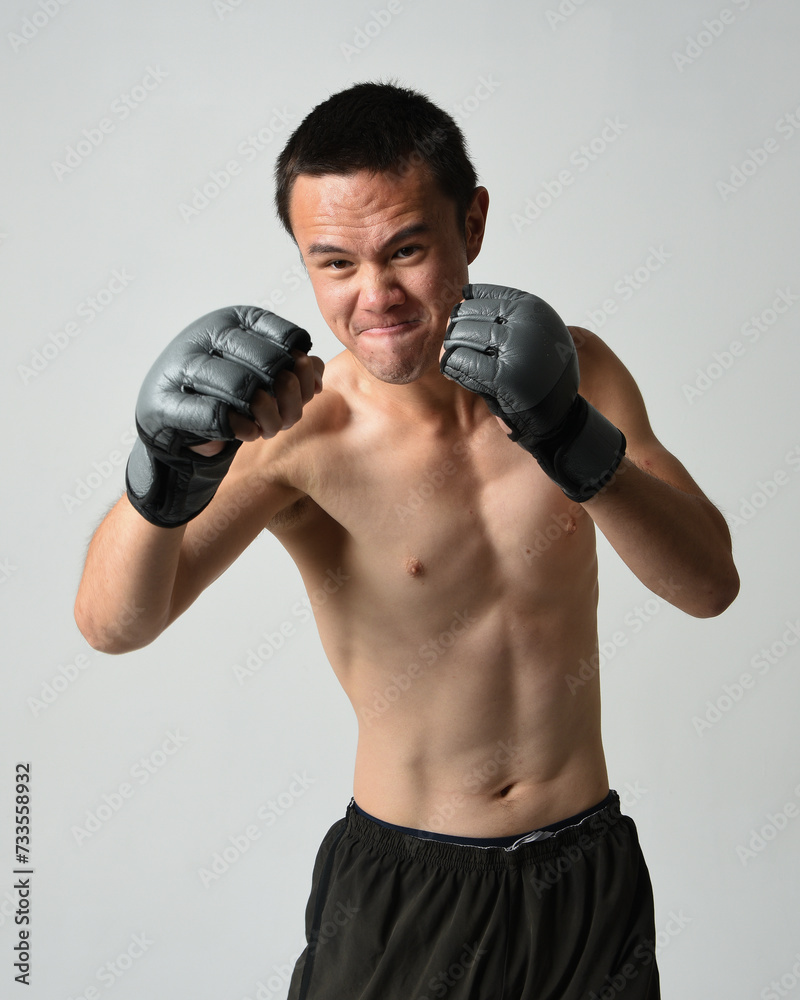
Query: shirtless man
(484, 851)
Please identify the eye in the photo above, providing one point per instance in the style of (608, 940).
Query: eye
(405, 252)
(337, 265)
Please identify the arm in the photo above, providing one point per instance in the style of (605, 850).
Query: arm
(139, 577)
(197, 495)
(578, 420)
(652, 512)
(126, 588)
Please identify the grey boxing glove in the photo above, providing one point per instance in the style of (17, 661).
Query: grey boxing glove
(513, 349)
(215, 364)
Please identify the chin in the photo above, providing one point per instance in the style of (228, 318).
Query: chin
(400, 360)
(397, 370)
(393, 377)
(396, 373)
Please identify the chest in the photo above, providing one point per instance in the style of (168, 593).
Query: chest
(452, 510)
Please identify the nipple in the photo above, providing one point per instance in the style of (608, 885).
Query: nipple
(414, 567)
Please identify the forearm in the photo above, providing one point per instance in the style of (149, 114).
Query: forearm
(676, 543)
(126, 591)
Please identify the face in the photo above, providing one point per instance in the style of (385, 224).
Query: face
(387, 260)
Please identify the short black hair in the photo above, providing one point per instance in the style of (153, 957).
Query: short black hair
(379, 127)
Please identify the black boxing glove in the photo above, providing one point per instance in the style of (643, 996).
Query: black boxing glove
(513, 349)
(215, 364)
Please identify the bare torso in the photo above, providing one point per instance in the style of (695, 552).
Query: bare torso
(459, 584)
(460, 591)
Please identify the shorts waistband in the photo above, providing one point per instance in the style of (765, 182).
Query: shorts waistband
(542, 833)
(583, 830)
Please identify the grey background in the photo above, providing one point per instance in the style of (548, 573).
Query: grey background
(701, 767)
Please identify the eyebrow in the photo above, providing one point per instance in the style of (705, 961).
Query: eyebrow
(404, 234)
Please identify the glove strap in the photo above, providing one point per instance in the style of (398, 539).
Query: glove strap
(170, 490)
(583, 454)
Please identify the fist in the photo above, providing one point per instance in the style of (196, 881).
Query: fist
(212, 371)
(215, 382)
(514, 350)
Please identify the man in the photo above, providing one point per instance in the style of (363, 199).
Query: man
(483, 850)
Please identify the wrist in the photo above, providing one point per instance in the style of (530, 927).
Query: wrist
(170, 490)
(582, 454)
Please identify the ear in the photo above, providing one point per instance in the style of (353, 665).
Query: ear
(475, 224)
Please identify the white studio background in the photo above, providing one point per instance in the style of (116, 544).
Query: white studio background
(642, 160)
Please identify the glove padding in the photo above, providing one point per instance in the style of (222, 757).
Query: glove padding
(513, 349)
(215, 364)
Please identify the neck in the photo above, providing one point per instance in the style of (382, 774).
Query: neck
(431, 398)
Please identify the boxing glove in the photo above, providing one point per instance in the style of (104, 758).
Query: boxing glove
(216, 364)
(514, 350)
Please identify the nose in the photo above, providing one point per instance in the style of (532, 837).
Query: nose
(380, 290)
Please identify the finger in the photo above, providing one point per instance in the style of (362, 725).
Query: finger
(266, 413)
(494, 292)
(230, 363)
(304, 373)
(450, 328)
(479, 309)
(222, 378)
(251, 337)
(209, 449)
(273, 327)
(288, 396)
(503, 424)
(469, 365)
(243, 428)
(319, 369)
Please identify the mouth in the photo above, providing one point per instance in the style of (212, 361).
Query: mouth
(389, 329)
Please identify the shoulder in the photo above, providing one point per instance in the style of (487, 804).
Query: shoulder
(607, 384)
(595, 357)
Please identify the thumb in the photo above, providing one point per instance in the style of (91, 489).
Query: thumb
(209, 448)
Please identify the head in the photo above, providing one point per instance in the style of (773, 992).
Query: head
(379, 128)
(376, 189)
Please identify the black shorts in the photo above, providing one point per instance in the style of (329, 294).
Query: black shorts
(397, 916)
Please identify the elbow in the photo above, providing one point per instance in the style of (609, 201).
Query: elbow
(100, 639)
(108, 637)
(104, 643)
(719, 594)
